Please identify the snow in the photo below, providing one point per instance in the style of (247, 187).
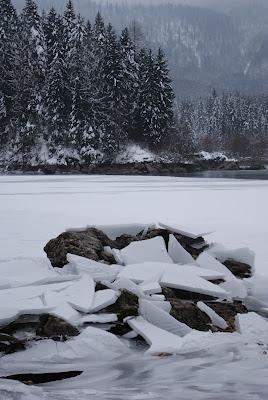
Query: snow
(146, 250)
(33, 209)
(134, 153)
(177, 252)
(216, 319)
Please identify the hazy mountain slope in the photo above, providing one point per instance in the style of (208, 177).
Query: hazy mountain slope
(223, 45)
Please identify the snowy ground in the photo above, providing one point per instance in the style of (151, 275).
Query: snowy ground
(35, 209)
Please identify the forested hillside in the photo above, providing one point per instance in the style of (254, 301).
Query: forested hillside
(72, 90)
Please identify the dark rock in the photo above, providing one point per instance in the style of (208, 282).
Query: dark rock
(52, 327)
(9, 344)
(100, 286)
(35, 379)
(120, 328)
(228, 311)
(239, 269)
(171, 293)
(88, 243)
(126, 305)
(188, 313)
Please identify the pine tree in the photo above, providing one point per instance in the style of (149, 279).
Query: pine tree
(9, 63)
(55, 85)
(32, 75)
(130, 83)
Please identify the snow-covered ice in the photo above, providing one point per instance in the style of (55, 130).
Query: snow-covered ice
(33, 209)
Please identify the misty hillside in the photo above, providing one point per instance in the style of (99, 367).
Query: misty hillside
(222, 45)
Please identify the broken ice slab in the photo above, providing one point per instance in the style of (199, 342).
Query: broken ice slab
(178, 253)
(235, 287)
(182, 230)
(253, 326)
(29, 271)
(151, 288)
(160, 340)
(114, 231)
(98, 318)
(243, 254)
(152, 272)
(9, 313)
(127, 284)
(103, 299)
(146, 250)
(80, 294)
(146, 271)
(98, 271)
(162, 319)
(188, 281)
(215, 318)
(60, 307)
(47, 356)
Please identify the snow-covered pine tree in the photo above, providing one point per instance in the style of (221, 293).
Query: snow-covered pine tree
(55, 85)
(130, 83)
(9, 62)
(33, 58)
(154, 112)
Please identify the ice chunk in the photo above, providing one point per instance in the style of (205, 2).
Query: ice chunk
(113, 231)
(98, 271)
(207, 261)
(178, 253)
(118, 256)
(146, 250)
(174, 278)
(235, 287)
(29, 271)
(244, 254)
(151, 288)
(48, 356)
(163, 305)
(161, 318)
(98, 318)
(253, 326)
(216, 319)
(125, 283)
(59, 307)
(147, 271)
(202, 272)
(103, 298)
(160, 341)
(81, 294)
(182, 231)
(10, 313)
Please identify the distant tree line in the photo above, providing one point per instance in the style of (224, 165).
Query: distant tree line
(234, 123)
(74, 90)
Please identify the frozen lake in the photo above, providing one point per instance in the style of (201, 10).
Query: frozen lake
(34, 209)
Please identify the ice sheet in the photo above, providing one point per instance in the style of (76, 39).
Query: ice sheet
(215, 318)
(178, 253)
(146, 250)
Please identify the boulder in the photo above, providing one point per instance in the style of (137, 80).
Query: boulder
(179, 294)
(127, 305)
(88, 243)
(188, 313)
(53, 327)
(239, 269)
(9, 344)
